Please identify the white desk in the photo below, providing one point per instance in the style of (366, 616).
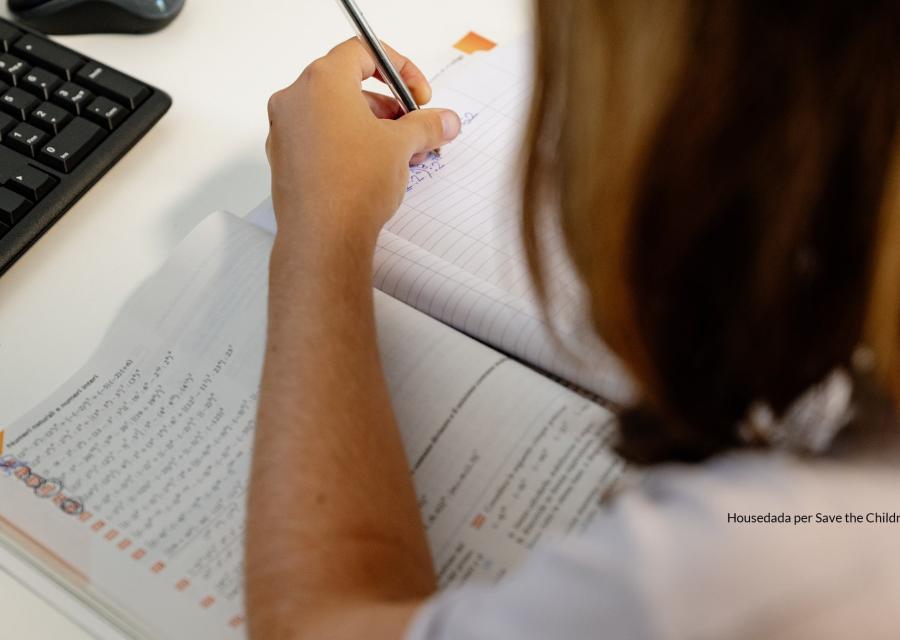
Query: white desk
(220, 60)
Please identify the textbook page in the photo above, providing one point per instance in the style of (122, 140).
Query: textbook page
(128, 483)
(454, 248)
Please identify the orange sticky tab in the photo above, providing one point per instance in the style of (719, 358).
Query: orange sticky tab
(473, 42)
(1, 442)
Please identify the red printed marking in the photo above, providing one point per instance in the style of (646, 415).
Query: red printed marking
(207, 602)
(124, 544)
(98, 525)
(478, 520)
(111, 535)
(236, 622)
(158, 567)
(137, 555)
(182, 584)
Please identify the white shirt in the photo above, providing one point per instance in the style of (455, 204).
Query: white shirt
(663, 562)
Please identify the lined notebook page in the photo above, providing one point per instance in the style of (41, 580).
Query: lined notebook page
(463, 206)
(454, 248)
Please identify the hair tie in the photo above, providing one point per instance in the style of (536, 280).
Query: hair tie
(810, 423)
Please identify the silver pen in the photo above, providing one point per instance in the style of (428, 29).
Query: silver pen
(382, 62)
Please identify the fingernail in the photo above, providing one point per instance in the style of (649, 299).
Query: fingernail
(450, 124)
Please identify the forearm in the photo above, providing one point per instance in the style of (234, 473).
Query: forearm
(335, 546)
(332, 514)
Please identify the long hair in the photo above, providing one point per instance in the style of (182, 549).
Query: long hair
(726, 176)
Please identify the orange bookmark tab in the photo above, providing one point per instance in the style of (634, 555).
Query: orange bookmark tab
(473, 42)
(1, 442)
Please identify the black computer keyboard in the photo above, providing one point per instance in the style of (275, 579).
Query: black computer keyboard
(64, 121)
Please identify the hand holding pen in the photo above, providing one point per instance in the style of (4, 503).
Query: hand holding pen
(340, 155)
(387, 72)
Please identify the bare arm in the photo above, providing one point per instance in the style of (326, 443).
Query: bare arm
(335, 545)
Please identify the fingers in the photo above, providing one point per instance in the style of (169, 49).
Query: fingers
(413, 77)
(355, 58)
(419, 158)
(384, 107)
(427, 129)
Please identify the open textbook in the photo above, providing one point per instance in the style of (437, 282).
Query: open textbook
(127, 485)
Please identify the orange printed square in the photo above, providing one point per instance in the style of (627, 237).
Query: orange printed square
(478, 521)
(111, 535)
(158, 567)
(124, 544)
(84, 517)
(98, 525)
(182, 584)
(236, 622)
(472, 42)
(207, 602)
(137, 555)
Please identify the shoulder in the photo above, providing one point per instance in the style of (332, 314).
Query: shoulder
(665, 560)
(761, 541)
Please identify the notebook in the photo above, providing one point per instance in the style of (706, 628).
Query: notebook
(126, 486)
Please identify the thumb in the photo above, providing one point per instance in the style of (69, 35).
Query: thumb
(427, 129)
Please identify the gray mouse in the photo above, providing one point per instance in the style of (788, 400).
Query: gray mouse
(96, 16)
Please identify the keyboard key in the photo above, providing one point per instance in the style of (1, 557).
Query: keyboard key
(107, 113)
(8, 35)
(40, 82)
(112, 84)
(7, 122)
(12, 207)
(31, 183)
(67, 149)
(43, 53)
(25, 139)
(49, 117)
(73, 97)
(18, 103)
(12, 69)
(10, 162)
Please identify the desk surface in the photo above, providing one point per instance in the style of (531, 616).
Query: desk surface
(220, 60)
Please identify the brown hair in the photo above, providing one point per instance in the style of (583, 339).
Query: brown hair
(726, 175)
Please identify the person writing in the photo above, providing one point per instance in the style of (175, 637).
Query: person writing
(726, 176)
